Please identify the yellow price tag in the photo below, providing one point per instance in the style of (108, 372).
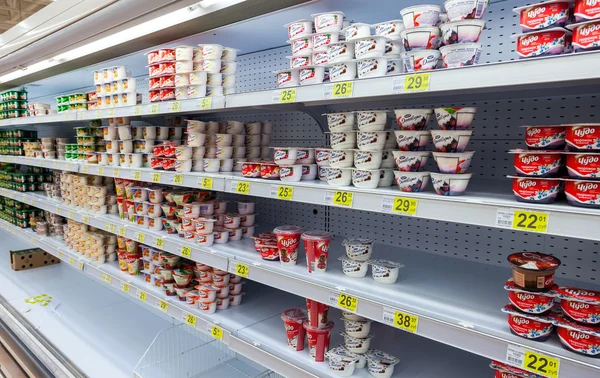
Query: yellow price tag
(101, 171)
(416, 82)
(106, 278)
(175, 106)
(155, 177)
(111, 113)
(116, 172)
(206, 183)
(541, 364)
(55, 165)
(71, 261)
(85, 169)
(287, 95)
(60, 255)
(71, 215)
(125, 287)
(80, 265)
(140, 237)
(406, 321)
(186, 251)
(530, 221)
(137, 110)
(137, 175)
(142, 296)
(98, 113)
(242, 270)
(160, 242)
(67, 117)
(190, 320)
(343, 89)
(59, 211)
(69, 167)
(405, 205)
(86, 219)
(285, 192)
(164, 306)
(347, 302)
(242, 187)
(122, 231)
(178, 179)
(342, 198)
(154, 108)
(110, 227)
(216, 332)
(206, 103)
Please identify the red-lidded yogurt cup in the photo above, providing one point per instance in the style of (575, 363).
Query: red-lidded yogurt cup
(583, 136)
(578, 338)
(583, 165)
(586, 10)
(586, 35)
(546, 42)
(545, 137)
(582, 306)
(317, 313)
(536, 189)
(316, 246)
(528, 326)
(251, 169)
(533, 271)
(582, 193)
(293, 319)
(527, 301)
(503, 370)
(288, 240)
(264, 238)
(318, 340)
(544, 15)
(270, 171)
(269, 252)
(537, 163)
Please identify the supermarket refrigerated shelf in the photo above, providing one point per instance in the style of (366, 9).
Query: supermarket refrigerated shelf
(465, 316)
(255, 329)
(484, 205)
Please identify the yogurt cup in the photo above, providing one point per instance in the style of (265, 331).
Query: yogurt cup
(586, 10)
(298, 29)
(288, 240)
(317, 313)
(355, 344)
(285, 156)
(579, 305)
(292, 320)
(340, 121)
(372, 67)
(537, 163)
(318, 340)
(380, 364)
(311, 75)
(316, 246)
(461, 31)
(385, 271)
(582, 193)
(583, 165)
(412, 119)
(420, 60)
(465, 9)
(301, 46)
(340, 52)
(339, 176)
(369, 47)
(461, 54)
(321, 40)
(583, 136)
(412, 140)
(342, 71)
(450, 140)
(548, 14)
(578, 338)
(533, 271)
(411, 182)
(453, 162)
(366, 178)
(455, 118)
(328, 21)
(529, 326)
(528, 301)
(421, 15)
(545, 42)
(421, 38)
(410, 161)
(371, 120)
(358, 249)
(545, 137)
(352, 268)
(450, 184)
(340, 367)
(389, 29)
(287, 78)
(300, 61)
(371, 140)
(536, 189)
(344, 140)
(356, 30)
(368, 159)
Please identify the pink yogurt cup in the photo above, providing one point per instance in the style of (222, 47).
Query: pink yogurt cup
(288, 240)
(317, 313)
(318, 340)
(316, 246)
(293, 319)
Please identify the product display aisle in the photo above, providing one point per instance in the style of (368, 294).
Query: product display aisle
(351, 194)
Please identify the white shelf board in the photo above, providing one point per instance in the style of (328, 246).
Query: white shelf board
(478, 206)
(450, 311)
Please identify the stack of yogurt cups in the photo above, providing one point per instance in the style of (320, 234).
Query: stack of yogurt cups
(427, 28)
(361, 158)
(114, 87)
(225, 146)
(450, 149)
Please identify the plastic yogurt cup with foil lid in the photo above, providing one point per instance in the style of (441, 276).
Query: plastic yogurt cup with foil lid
(578, 338)
(529, 326)
(580, 305)
(527, 301)
(533, 270)
(358, 249)
(385, 271)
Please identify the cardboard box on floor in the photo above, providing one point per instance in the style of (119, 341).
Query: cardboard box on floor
(31, 258)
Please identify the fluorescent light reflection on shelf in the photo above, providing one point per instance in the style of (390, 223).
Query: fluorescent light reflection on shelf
(160, 23)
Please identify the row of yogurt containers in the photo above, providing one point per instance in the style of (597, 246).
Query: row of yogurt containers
(188, 67)
(116, 100)
(188, 92)
(192, 78)
(126, 85)
(191, 53)
(455, 118)
(544, 30)
(110, 74)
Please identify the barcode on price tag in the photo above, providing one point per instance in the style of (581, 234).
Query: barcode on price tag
(504, 218)
(534, 362)
(514, 356)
